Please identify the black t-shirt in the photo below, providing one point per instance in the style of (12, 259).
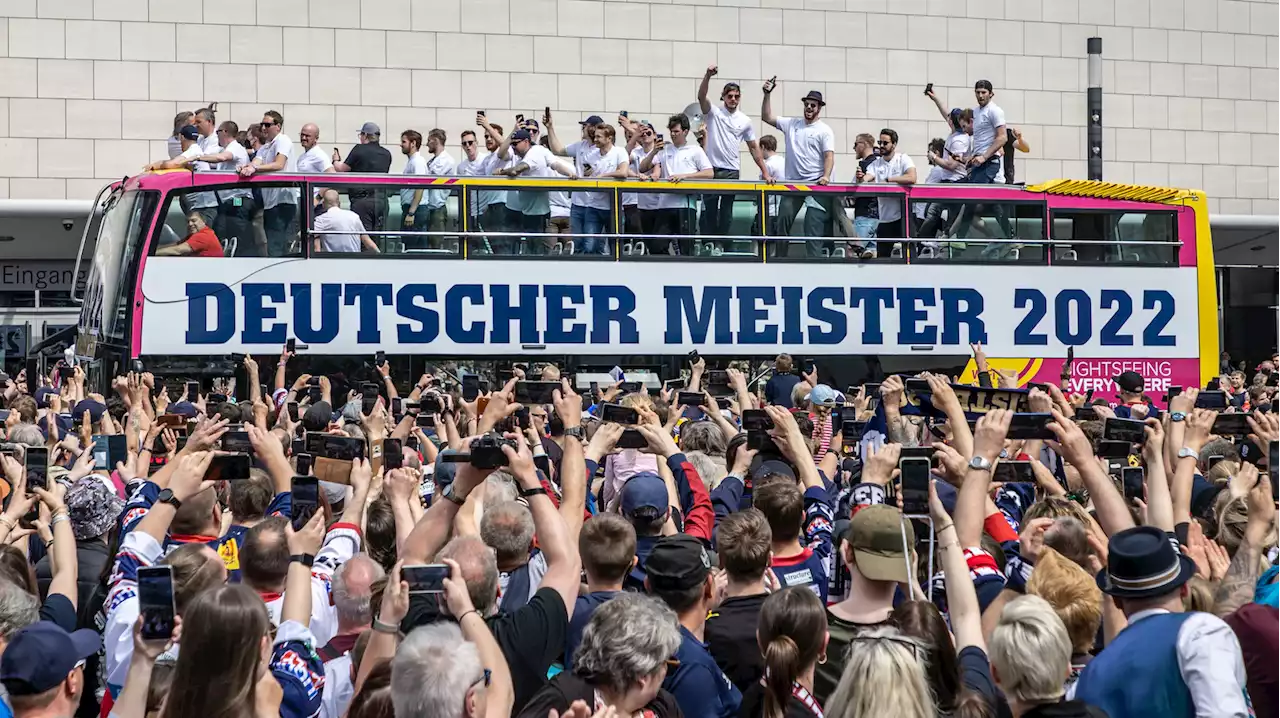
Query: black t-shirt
(1009, 152)
(370, 157)
(58, 609)
(531, 637)
(866, 206)
(753, 705)
(730, 635)
(975, 674)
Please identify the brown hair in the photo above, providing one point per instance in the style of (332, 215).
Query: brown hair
(374, 698)
(414, 137)
(1073, 594)
(783, 364)
(783, 505)
(744, 541)
(921, 620)
(217, 670)
(608, 130)
(607, 544)
(26, 408)
(769, 142)
(792, 635)
(196, 569)
(439, 135)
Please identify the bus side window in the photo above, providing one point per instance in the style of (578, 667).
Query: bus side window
(1148, 238)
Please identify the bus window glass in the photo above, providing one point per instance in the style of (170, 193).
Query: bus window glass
(663, 219)
(106, 301)
(385, 219)
(862, 225)
(237, 226)
(969, 231)
(1125, 237)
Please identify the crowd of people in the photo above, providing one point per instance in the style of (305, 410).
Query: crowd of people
(725, 545)
(979, 149)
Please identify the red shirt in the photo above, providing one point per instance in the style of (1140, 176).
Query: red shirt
(204, 243)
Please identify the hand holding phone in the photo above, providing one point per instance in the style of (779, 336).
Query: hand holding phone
(928, 89)
(770, 84)
(155, 602)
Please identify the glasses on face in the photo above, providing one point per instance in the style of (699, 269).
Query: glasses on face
(810, 105)
(882, 143)
(733, 96)
(268, 124)
(468, 143)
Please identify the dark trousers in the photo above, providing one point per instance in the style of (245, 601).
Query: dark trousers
(676, 220)
(717, 209)
(233, 221)
(372, 210)
(276, 221)
(896, 229)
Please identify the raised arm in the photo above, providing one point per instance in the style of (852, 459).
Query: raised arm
(432, 531)
(962, 600)
(703, 87)
(297, 585)
(971, 500)
(1199, 425)
(573, 467)
(553, 140)
(1237, 588)
(942, 109)
(766, 105)
(563, 563)
(1159, 502)
(63, 558)
(1074, 446)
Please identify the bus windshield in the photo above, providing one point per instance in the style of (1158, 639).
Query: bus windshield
(104, 314)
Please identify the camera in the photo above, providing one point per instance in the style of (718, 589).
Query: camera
(485, 452)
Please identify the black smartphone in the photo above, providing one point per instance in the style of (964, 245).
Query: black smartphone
(1014, 472)
(1211, 400)
(424, 420)
(1134, 480)
(291, 345)
(851, 431)
(470, 387)
(367, 402)
(915, 486)
(238, 442)
(34, 381)
(535, 392)
(392, 454)
(339, 448)
(595, 389)
(292, 408)
(917, 452)
(297, 446)
(1273, 466)
(109, 450)
(1128, 430)
(522, 418)
(379, 358)
(690, 398)
(1231, 425)
(693, 357)
(618, 414)
(631, 387)
(480, 112)
(1031, 426)
(193, 391)
(916, 386)
(1212, 461)
(1112, 449)
(425, 578)
(430, 404)
(519, 121)
(397, 406)
(136, 366)
(1173, 391)
(756, 420)
(36, 464)
(305, 496)
(155, 602)
(215, 398)
(871, 388)
(304, 462)
(632, 439)
(1086, 413)
(928, 88)
(229, 467)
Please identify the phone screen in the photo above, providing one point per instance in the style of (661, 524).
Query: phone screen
(618, 414)
(1031, 426)
(1231, 425)
(193, 391)
(392, 454)
(470, 387)
(293, 411)
(304, 461)
(425, 578)
(536, 392)
(155, 601)
(1128, 430)
(1211, 400)
(915, 486)
(37, 466)
(305, 494)
(1273, 464)
(229, 467)
(690, 398)
(632, 439)
(1013, 472)
(756, 420)
(1134, 483)
(108, 450)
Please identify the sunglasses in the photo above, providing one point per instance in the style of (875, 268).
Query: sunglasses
(810, 105)
(882, 143)
(468, 143)
(268, 124)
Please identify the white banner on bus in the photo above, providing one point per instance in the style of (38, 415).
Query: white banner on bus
(427, 306)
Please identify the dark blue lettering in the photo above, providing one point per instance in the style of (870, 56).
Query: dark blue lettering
(1062, 315)
(562, 301)
(682, 307)
(1037, 306)
(911, 303)
(453, 308)
(1153, 335)
(970, 315)
(792, 331)
(526, 313)
(1110, 335)
(612, 304)
(368, 297)
(224, 313)
(330, 295)
(877, 298)
(750, 314)
(412, 304)
(256, 313)
(833, 318)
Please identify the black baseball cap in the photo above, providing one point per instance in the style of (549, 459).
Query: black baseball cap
(1130, 381)
(40, 656)
(677, 563)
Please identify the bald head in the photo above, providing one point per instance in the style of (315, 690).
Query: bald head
(479, 570)
(330, 198)
(309, 135)
(352, 592)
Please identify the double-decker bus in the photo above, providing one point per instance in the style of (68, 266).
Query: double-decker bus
(1122, 275)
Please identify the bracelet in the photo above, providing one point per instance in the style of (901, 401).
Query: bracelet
(7, 522)
(529, 493)
(48, 544)
(381, 627)
(468, 613)
(944, 528)
(57, 519)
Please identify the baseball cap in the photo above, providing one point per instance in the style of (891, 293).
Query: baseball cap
(644, 490)
(189, 133)
(317, 416)
(183, 408)
(1130, 381)
(370, 128)
(94, 407)
(822, 395)
(519, 135)
(875, 535)
(592, 120)
(677, 563)
(41, 396)
(40, 656)
(532, 123)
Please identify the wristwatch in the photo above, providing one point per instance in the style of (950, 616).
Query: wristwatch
(1177, 416)
(527, 493)
(979, 463)
(1188, 452)
(574, 431)
(305, 559)
(166, 497)
(450, 494)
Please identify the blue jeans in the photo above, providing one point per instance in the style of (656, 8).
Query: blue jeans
(586, 221)
(865, 227)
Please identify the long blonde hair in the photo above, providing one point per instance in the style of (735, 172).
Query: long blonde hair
(883, 676)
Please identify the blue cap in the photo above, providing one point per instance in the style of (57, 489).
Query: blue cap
(645, 489)
(94, 407)
(41, 396)
(822, 395)
(445, 471)
(519, 135)
(189, 133)
(183, 408)
(40, 656)
(532, 123)
(592, 120)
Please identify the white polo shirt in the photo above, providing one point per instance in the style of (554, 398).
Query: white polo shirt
(314, 160)
(806, 144)
(890, 207)
(600, 164)
(986, 120)
(417, 165)
(539, 160)
(440, 165)
(281, 145)
(726, 131)
(678, 161)
(490, 164)
(337, 219)
(959, 147)
(239, 158)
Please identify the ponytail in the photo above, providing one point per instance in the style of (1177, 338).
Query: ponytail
(782, 666)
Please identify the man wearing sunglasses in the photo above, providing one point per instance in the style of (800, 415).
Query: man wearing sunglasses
(279, 205)
(727, 128)
(811, 148)
(891, 167)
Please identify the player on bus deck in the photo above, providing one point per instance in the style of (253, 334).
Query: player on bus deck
(1132, 402)
(200, 242)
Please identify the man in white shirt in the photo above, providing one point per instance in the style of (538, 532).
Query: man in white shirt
(206, 203)
(338, 229)
(681, 160)
(950, 165)
(313, 160)
(727, 128)
(594, 156)
(534, 205)
(984, 167)
(892, 167)
(415, 213)
(585, 155)
(811, 148)
(494, 215)
(440, 164)
(473, 165)
(279, 205)
(235, 206)
(776, 165)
